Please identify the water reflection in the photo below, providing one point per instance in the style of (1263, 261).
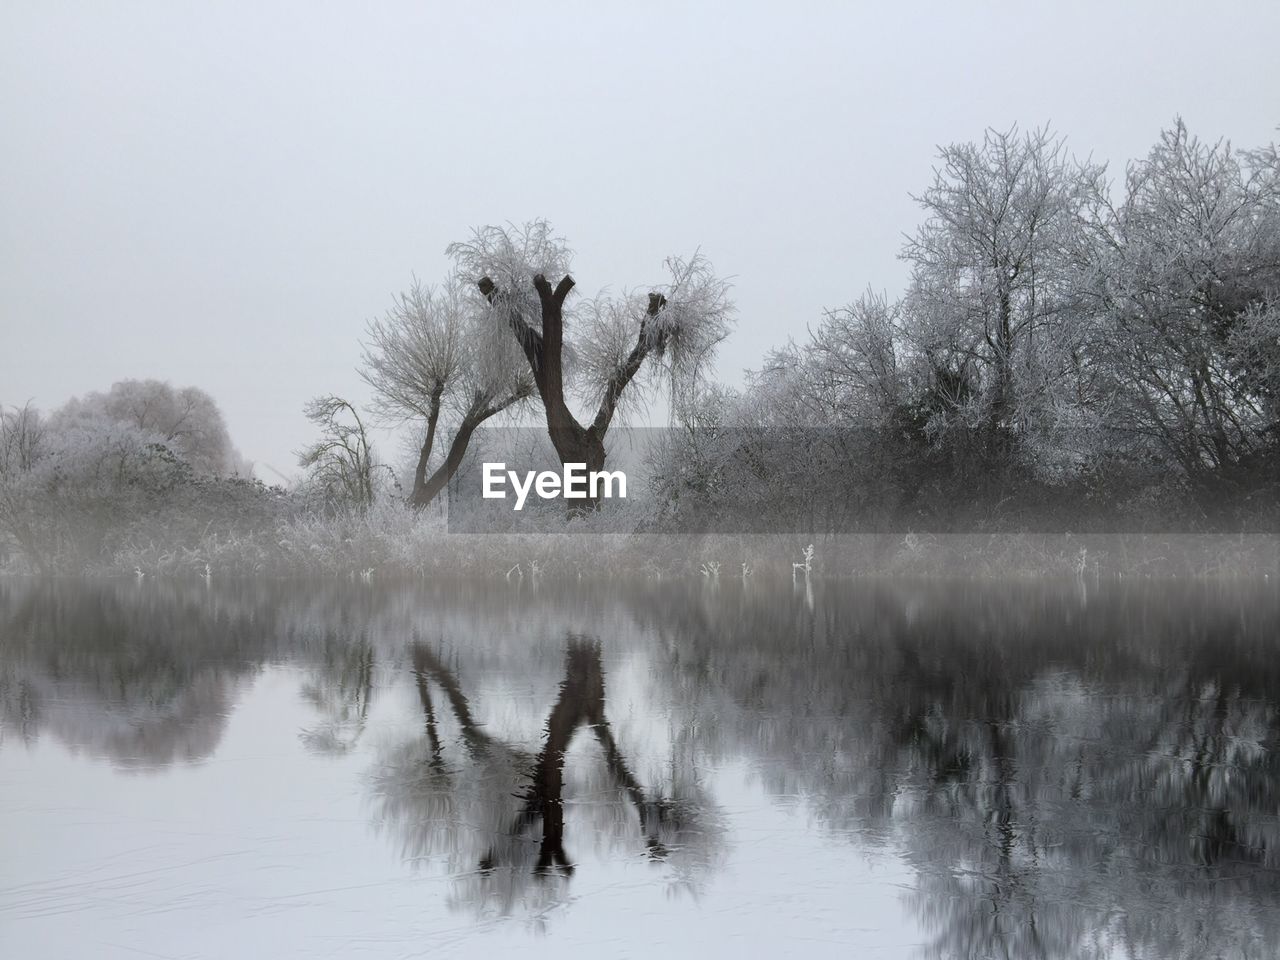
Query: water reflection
(1066, 773)
(341, 692)
(1070, 778)
(498, 812)
(143, 679)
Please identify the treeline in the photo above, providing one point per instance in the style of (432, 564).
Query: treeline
(1069, 354)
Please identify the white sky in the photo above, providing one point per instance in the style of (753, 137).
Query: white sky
(222, 194)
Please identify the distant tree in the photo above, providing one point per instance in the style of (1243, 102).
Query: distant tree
(854, 359)
(522, 275)
(23, 439)
(71, 489)
(688, 462)
(434, 354)
(23, 432)
(341, 465)
(186, 419)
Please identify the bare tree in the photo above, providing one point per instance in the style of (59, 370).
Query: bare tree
(22, 442)
(22, 435)
(341, 463)
(674, 327)
(854, 358)
(435, 356)
(412, 357)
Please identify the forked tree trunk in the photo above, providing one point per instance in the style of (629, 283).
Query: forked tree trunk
(544, 350)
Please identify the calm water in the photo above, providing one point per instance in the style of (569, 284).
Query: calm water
(867, 770)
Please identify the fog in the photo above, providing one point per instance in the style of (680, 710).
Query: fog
(222, 197)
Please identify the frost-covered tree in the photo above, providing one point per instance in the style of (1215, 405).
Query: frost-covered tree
(412, 356)
(689, 460)
(186, 419)
(854, 359)
(1189, 271)
(992, 276)
(597, 350)
(435, 354)
(23, 439)
(71, 489)
(341, 465)
(23, 432)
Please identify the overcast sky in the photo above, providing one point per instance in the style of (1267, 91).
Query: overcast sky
(223, 194)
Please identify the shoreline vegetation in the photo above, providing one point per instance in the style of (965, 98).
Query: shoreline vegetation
(390, 543)
(1075, 350)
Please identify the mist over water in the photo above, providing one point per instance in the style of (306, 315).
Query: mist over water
(887, 768)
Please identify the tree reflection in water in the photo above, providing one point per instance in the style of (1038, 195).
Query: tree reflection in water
(502, 857)
(1070, 774)
(341, 691)
(143, 678)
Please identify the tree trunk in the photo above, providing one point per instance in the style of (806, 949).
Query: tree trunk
(544, 350)
(419, 499)
(453, 459)
(478, 414)
(581, 702)
(999, 424)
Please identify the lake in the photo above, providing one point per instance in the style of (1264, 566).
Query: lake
(835, 769)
